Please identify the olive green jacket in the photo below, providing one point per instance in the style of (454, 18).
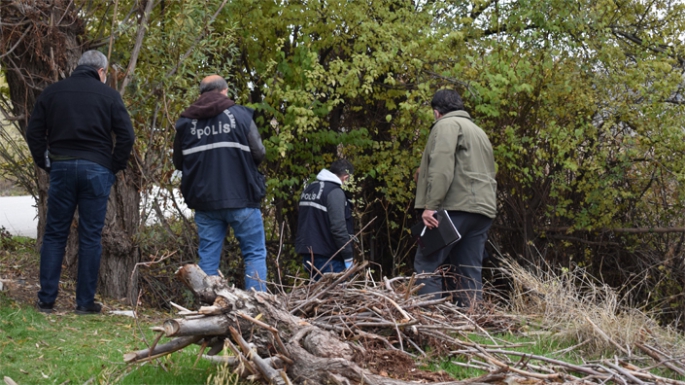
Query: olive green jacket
(457, 170)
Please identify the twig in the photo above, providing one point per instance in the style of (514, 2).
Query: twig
(570, 348)
(409, 287)
(606, 337)
(241, 357)
(111, 32)
(406, 315)
(350, 240)
(202, 350)
(26, 31)
(625, 373)
(612, 375)
(658, 358)
(264, 368)
(278, 265)
(273, 331)
(485, 356)
(154, 343)
(181, 308)
(136, 48)
(342, 278)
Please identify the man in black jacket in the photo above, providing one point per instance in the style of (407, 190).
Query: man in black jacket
(70, 136)
(217, 148)
(325, 223)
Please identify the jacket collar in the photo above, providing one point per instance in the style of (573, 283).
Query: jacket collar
(458, 113)
(86, 71)
(327, 176)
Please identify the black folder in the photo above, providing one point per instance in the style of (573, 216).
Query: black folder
(433, 240)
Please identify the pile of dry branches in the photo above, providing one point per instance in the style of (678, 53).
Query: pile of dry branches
(349, 329)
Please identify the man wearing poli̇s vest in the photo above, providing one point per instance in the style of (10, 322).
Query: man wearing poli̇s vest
(217, 148)
(325, 224)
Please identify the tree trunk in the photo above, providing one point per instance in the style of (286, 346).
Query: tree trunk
(119, 251)
(41, 43)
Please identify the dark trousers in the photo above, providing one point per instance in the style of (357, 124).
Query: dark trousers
(322, 265)
(86, 185)
(462, 261)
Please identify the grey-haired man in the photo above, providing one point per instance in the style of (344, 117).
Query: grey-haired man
(70, 136)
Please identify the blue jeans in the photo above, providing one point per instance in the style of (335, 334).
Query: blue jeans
(248, 228)
(465, 260)
(86, 185)
(336, 265)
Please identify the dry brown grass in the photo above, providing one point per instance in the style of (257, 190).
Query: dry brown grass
(578, 307)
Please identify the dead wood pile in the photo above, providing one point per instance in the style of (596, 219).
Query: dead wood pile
(349, 329)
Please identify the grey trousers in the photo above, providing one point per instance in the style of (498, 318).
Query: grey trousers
(462, 262)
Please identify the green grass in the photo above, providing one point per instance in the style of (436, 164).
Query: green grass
(54, 349)
(10, 242)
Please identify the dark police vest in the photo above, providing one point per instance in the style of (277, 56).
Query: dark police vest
(218, 170)
(314, 227)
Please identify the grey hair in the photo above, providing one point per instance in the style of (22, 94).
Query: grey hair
(93, 58)
(215, 85)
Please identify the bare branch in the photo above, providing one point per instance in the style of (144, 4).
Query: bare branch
(26, 31)
(136, 49)
(197, 39)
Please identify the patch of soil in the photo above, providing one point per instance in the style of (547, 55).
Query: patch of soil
(397, 365)
(19, 273)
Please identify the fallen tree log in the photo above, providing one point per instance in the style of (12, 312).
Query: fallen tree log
(349, 329)
(207, 326)
(312, 355)
(161, 350)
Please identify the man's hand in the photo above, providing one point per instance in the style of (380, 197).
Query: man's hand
(428, 219)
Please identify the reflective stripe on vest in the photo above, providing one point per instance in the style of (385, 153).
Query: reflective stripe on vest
(315, 205)
(216, 145)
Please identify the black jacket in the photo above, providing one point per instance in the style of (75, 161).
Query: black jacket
(324, 220)
(217, 148)
(76, 117)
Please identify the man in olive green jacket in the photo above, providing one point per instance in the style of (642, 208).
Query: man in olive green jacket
(457, 173)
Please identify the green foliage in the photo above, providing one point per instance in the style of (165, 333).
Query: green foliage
(579, 107)
(575, 102)
(581, 100)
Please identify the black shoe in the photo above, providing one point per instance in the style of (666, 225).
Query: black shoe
(44, 307)
(95, 308)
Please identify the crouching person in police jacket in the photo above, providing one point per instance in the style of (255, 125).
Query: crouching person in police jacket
(217, 148)
(325, 222)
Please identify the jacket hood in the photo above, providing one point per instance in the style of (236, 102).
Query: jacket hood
(86, 71)
(327, 176)
(208, 105)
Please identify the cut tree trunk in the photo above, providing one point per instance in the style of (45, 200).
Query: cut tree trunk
(312, 355)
